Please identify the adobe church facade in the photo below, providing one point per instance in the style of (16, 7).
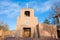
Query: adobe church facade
(26, 22)
(28, 26)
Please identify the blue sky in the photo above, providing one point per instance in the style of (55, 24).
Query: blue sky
(10, 10)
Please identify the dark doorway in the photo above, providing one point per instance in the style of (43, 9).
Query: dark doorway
(58, 33)
(27, 32)
(27, 13)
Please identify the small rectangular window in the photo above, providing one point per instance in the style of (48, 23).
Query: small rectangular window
(59, 19)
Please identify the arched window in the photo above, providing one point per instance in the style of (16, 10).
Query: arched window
(27, 13)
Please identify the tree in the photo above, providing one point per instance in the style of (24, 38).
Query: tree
(55, 10)
(4, 26)
(1, 27)
(47, 21)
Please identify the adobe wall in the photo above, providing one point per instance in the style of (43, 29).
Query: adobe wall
(47, 30)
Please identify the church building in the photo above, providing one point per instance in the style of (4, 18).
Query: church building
(26, 22)
(28, 26)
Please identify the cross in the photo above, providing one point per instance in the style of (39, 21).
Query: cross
(27, 5)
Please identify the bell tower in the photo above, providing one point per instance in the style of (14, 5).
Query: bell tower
(26, 23)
